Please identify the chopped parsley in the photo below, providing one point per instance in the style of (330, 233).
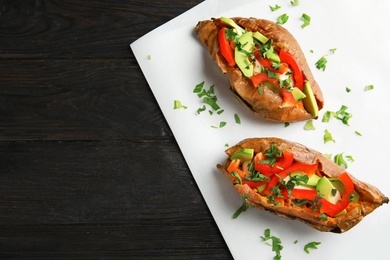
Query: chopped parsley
(341, 115)
(306, 20)
(309, 125)
(328, 137)
(282, 19)
(243, 207)
(347, 89)
(311, 245)
(321, 63)
(339, 160)
(274, 8)
(294, 2)
(333, 50)
(358, 133)
(368, 87)
(149, 57)
(177, 105)
(237, 119)
(271, 154)
(276, 243)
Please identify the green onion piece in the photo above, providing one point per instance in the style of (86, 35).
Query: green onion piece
(177, 104)
(237, 119)
(311, 245)
(294, 2)
(368, 87)
(198, 88)
(328, 137)
(282, 19)
(276, 7)
(321, 63)
(309, 125)
(306, 20)
(326, 117)
(339, 160)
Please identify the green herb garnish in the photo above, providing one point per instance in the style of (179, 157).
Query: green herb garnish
(282, 19)
(333, 50)
(341, 115)
(243, 207)
(347, 89)
(368, 87)
(309, 125)
(328, 137)
(177, 105)
(339, 160)
(237, 119)
(306, 20)
(222, 124)
(358, 133)
(274, 8)
(311, 245)
(276, 243)
(321, 63)
(294, 2)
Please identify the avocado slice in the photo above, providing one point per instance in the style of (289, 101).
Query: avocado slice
(260, 37)
(231, 23)
(245, 154)
(326, 188)
(241, 58)
(312, 181)
(297, 94)
(340, 187)
(310, 102)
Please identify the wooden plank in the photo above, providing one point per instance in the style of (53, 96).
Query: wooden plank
(80, 29)
(76, 100)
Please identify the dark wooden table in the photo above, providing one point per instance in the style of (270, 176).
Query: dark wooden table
(89, 166)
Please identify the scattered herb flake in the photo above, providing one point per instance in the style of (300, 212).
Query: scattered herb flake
(328, 137)
(368, 87)
(286, 124)
(309, 125)
(321, 63)
(222, 124)
(294, 2)
(237, 119)
(311, 245)
(149, 57)
(296, 242)
(333, 50)
(358, 133)
(276, 243)
(274, 8)
(220, 111)
(347, 89)
(306, 20)
(226, 145)
(350, 158)
(339, 160)
(243, 207)
(282, 19)
(177, 105)
(198, 88)
(341, 115)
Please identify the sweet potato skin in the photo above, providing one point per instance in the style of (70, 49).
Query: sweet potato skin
(370, 197)
(267, 105)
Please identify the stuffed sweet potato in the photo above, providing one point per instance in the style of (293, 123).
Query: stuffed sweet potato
(265, 65)
(296, 182)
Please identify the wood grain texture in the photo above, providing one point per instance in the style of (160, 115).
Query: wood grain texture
(89, 166)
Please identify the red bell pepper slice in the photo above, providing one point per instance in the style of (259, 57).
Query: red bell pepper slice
(253, 184)
(333, 209)
(224, 46)
(261, 77)
(288, 98)
(297, 71)
(268, 64)
(301, 194)
(281, 164)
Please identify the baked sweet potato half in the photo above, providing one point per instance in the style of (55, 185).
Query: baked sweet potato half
(296, 182)
(265, 65)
